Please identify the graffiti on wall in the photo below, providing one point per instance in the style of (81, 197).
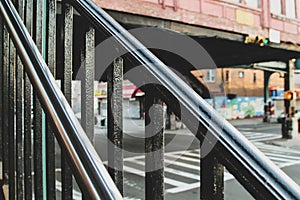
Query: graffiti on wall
(238, 108)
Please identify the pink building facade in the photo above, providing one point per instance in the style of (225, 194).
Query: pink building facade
(250, 17)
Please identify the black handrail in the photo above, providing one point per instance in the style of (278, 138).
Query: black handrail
(88, 168)
(252, 168)
(245, 162)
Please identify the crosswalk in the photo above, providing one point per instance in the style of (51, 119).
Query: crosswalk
(182, 168)
(281, 156)
(260, 137)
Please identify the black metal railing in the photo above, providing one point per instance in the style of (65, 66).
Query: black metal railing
(54, 36)
(86, 165)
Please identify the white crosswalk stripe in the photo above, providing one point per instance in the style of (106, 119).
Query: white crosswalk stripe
(281, 156)
(259, 137)
(182, 169)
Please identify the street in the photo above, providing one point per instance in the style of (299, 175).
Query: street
(182, 163)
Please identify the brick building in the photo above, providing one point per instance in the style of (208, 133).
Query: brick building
(238, 81)
(227, 30)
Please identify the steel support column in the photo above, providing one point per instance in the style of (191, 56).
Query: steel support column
(267, 76)
(288, 130)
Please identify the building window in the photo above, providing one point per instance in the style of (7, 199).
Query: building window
(276, 6)
(211, 75)
(253, 3)
(227, 76)
(290, 8)
(241, 74)
(254, 77)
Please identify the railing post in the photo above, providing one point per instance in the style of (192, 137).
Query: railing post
(67, 26)
(115, 122)
(11, 122)
(212, 177)
(37, 109)
(154, 145)
(19, 120)
(37, 148)
(27, 138)
(5, 104)
(51, 61)
(27, 115)
(1, 90)
(19, 131)
(87, 84)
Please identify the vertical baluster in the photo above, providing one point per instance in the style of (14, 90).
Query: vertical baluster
(11, 124)
(28, 114)
(87, 84)
(212, 177)
(115, 122)
(1, 92)
(2, 115)
(67, 89)
(27, 138)
(19, 120)
(5, 103)
(154, 145)
(38, 128)
(37, 148)
(19, 130)
(51, 61)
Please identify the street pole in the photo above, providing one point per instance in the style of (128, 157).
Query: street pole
(289, 126)
(267, 75)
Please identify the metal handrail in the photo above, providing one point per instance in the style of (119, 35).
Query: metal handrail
(88, 168)
(251, 167)
(242, 159)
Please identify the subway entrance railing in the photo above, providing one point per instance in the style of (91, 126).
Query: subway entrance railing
(58, 38)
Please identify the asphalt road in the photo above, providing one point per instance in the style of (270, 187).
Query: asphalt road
(182, 159)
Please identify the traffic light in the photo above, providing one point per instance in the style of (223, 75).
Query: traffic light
(261, 41)
(289, 95)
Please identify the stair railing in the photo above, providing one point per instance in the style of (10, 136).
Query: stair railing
(86, 165)
(230, 149)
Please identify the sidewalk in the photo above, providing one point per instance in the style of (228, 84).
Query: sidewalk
(288, 143)
(241, 122)
(136, 126)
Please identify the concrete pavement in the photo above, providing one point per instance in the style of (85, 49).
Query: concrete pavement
(293, 143)
(136, 127)
(257, 122)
